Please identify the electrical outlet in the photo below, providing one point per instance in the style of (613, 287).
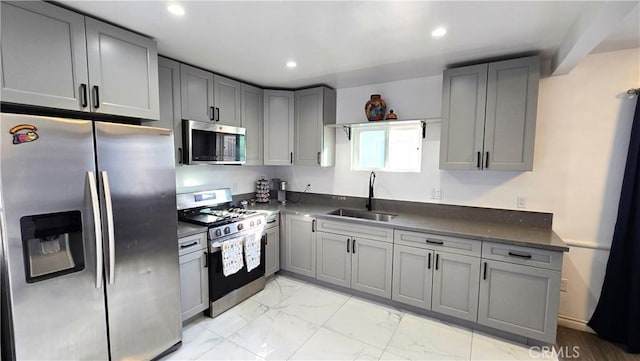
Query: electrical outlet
(309, 187)
(522, 202)
(436, 193)
(564, 284)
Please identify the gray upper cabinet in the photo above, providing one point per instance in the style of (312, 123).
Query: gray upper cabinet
(227, 100)
(196, 88)
(33, 31)
(300, 245)
(123, 69)
(169, 85)
(489, 115)
(121, 65)
(278, 127)
(520, 299)
(315, 144)
(252, 121)
(455, 285)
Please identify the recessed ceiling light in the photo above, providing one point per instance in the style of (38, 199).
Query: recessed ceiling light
(291, 64)
(175, 9)
(438, 32)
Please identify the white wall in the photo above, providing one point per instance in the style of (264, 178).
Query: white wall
(241, 179)
(583, 125)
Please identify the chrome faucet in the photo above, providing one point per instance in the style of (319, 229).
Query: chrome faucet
(372, 179)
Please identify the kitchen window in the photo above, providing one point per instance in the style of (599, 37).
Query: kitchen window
(388, 147)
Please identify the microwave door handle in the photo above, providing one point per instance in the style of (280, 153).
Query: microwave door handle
(95, 208)
(109, 210)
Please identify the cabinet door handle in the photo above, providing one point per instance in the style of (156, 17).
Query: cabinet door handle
(313, 225)
(519, 255)
(353, 246)
(435, 242)
(83, 96)
(291, 157)
(479, 162)
(437, 259)
(206, 260)
(484, 272)
(429, 261)
(318, 158)
(217, 114)
(486, 161)
(96, 97)
(212, 113)
(348, 241)
(183, 246)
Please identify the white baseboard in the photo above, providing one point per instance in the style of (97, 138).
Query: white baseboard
(574, 323)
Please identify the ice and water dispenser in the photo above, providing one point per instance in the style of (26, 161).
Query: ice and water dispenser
(52, 245)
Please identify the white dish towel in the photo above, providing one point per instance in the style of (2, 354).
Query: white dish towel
(232, 256)
(252, 250)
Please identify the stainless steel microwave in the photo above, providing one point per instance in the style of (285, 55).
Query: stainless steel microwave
(210, 143)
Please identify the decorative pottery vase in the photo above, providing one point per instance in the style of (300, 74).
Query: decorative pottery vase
(376, 108)
(392, 115)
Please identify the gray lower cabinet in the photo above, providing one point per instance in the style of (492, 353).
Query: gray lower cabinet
(438, 273)
(253, 122)
(455, 285)
(351, 260)
(90, 65)
(278, 127)
(300, 245)
(412, 276)
(489, 115)
(170, 112)
(272, 249)
(194, 277)
(520, 290)
(196, 87)
(372, 266)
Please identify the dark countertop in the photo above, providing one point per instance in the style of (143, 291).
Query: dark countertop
(508, 233)
(188, 229)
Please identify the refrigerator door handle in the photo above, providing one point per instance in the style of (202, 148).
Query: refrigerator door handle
(93, 189)
(109, 210)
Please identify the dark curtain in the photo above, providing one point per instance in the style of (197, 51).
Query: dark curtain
(617, 316)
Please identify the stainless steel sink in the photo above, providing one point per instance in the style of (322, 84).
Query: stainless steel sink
(354, 213)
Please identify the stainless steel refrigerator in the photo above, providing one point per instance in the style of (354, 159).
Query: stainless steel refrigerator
(88, 212)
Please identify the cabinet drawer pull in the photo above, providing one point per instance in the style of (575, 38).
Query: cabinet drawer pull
(479, 162)
(440, 243)
(353, 246)
(348, 241)
(83, 95)
(271, 221)
(429, 261)
(96, 97)
(486, 161)
(484, 273)
(519, 255)
(437, 260)
(183, 246)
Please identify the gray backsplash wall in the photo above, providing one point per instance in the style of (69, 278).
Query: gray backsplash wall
(241, 179)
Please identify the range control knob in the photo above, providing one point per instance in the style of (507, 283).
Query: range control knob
(252, 223)
(240, 227)
(218, 232)
(259, 221)
(227, 230)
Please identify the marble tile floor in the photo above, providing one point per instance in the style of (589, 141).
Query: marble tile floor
(294, 320)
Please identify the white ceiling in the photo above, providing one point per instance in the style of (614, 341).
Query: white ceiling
(350, 43)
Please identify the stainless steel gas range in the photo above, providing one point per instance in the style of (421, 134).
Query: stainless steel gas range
(213, 209)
